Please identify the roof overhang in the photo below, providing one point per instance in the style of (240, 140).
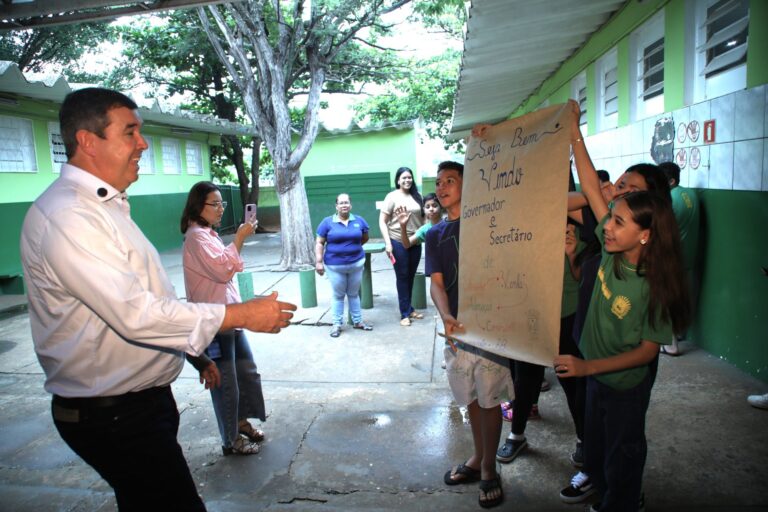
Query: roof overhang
(13, 84)
(512, 46)
(21, 14)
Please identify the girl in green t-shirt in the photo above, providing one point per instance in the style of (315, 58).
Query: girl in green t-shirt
(639, 298)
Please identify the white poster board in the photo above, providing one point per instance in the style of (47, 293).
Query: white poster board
(512, 250)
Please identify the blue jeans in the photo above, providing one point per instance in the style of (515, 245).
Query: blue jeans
(240, 396)
(615, 448)
(345, 282)
(406, 264)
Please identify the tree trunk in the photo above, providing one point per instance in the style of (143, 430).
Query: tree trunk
(297, 238)
(253, 195)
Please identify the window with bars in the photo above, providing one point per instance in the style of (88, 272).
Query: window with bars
(147, 162)
(726, 29)
(171, 156)
(58, 152)
(610, 90)
(607, 86)
(579, 93)
(652, 66)
(17, 145)
(194, 158)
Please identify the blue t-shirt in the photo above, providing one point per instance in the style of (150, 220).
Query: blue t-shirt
(343, 243)
(443, 257)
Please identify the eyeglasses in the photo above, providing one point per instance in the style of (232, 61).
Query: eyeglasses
(218, 204)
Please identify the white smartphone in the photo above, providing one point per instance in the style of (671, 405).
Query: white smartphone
(250, 213)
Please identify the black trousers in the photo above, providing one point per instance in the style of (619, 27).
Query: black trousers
(130, 440)
(575, 388)
(615, 447)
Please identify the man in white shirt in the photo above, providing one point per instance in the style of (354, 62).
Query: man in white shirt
(107, 327)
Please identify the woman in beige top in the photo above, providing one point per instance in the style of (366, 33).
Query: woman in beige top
(405, 197)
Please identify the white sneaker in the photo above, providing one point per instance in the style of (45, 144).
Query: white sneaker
(759, 401)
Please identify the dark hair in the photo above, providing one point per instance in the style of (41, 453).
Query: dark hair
(660, 261)
(448, 164)
(671, 170)
(86, 109)
(654, 178)
(196, 203)
(432, 197)
(414, 189)
(342, 194)
(603, 175)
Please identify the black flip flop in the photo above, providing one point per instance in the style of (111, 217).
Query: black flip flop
(487, 486)
(470, 475)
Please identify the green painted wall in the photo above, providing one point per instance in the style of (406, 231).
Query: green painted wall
(359, 152)
(363, 189)
(732, 317)
(757, 53)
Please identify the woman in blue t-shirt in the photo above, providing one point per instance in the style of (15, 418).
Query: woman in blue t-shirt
(339, 251)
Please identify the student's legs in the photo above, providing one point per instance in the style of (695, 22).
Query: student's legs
(594, 436)
(575, 388)
(527, 388)
(414, 257)
(625, 445)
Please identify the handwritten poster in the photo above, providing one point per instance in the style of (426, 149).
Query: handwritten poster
(513, 217)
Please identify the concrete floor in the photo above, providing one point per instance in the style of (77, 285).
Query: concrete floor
(366, 422)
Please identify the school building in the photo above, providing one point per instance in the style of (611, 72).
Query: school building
(657, 80)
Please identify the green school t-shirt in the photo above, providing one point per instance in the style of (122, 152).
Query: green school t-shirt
(570, 299)
(685, 204)
(421, 233)
(617, 319)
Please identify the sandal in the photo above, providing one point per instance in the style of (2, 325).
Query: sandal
(253, 434)
(336, 331)
(241, 447)
(416, 315)
(405, 322)
(669, 351)
(467, 475)
(486, 486)
(363, 326)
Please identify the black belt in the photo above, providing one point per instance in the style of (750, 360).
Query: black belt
(94, 402)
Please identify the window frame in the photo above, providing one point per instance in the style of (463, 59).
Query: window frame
(199, 160)
(731, 78)
(606, 64)
(642, 103)
(167, 142)
(147, 162)
(27, 150)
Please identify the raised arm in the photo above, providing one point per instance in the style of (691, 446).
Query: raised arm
(590, 182)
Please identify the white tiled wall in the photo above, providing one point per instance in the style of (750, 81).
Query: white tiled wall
(737, 160)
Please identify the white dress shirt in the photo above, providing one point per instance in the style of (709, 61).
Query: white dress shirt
(104, 315)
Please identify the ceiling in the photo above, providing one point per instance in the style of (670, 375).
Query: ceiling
(16, 14)
(512, 46)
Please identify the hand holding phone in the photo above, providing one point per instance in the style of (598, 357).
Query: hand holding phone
(250, 213)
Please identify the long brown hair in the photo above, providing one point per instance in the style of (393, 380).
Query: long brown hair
(660, 259)
(195, 204)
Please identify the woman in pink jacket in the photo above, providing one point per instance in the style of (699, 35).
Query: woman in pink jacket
(209, 268)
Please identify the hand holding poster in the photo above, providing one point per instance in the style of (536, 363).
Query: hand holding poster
(513, 216)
